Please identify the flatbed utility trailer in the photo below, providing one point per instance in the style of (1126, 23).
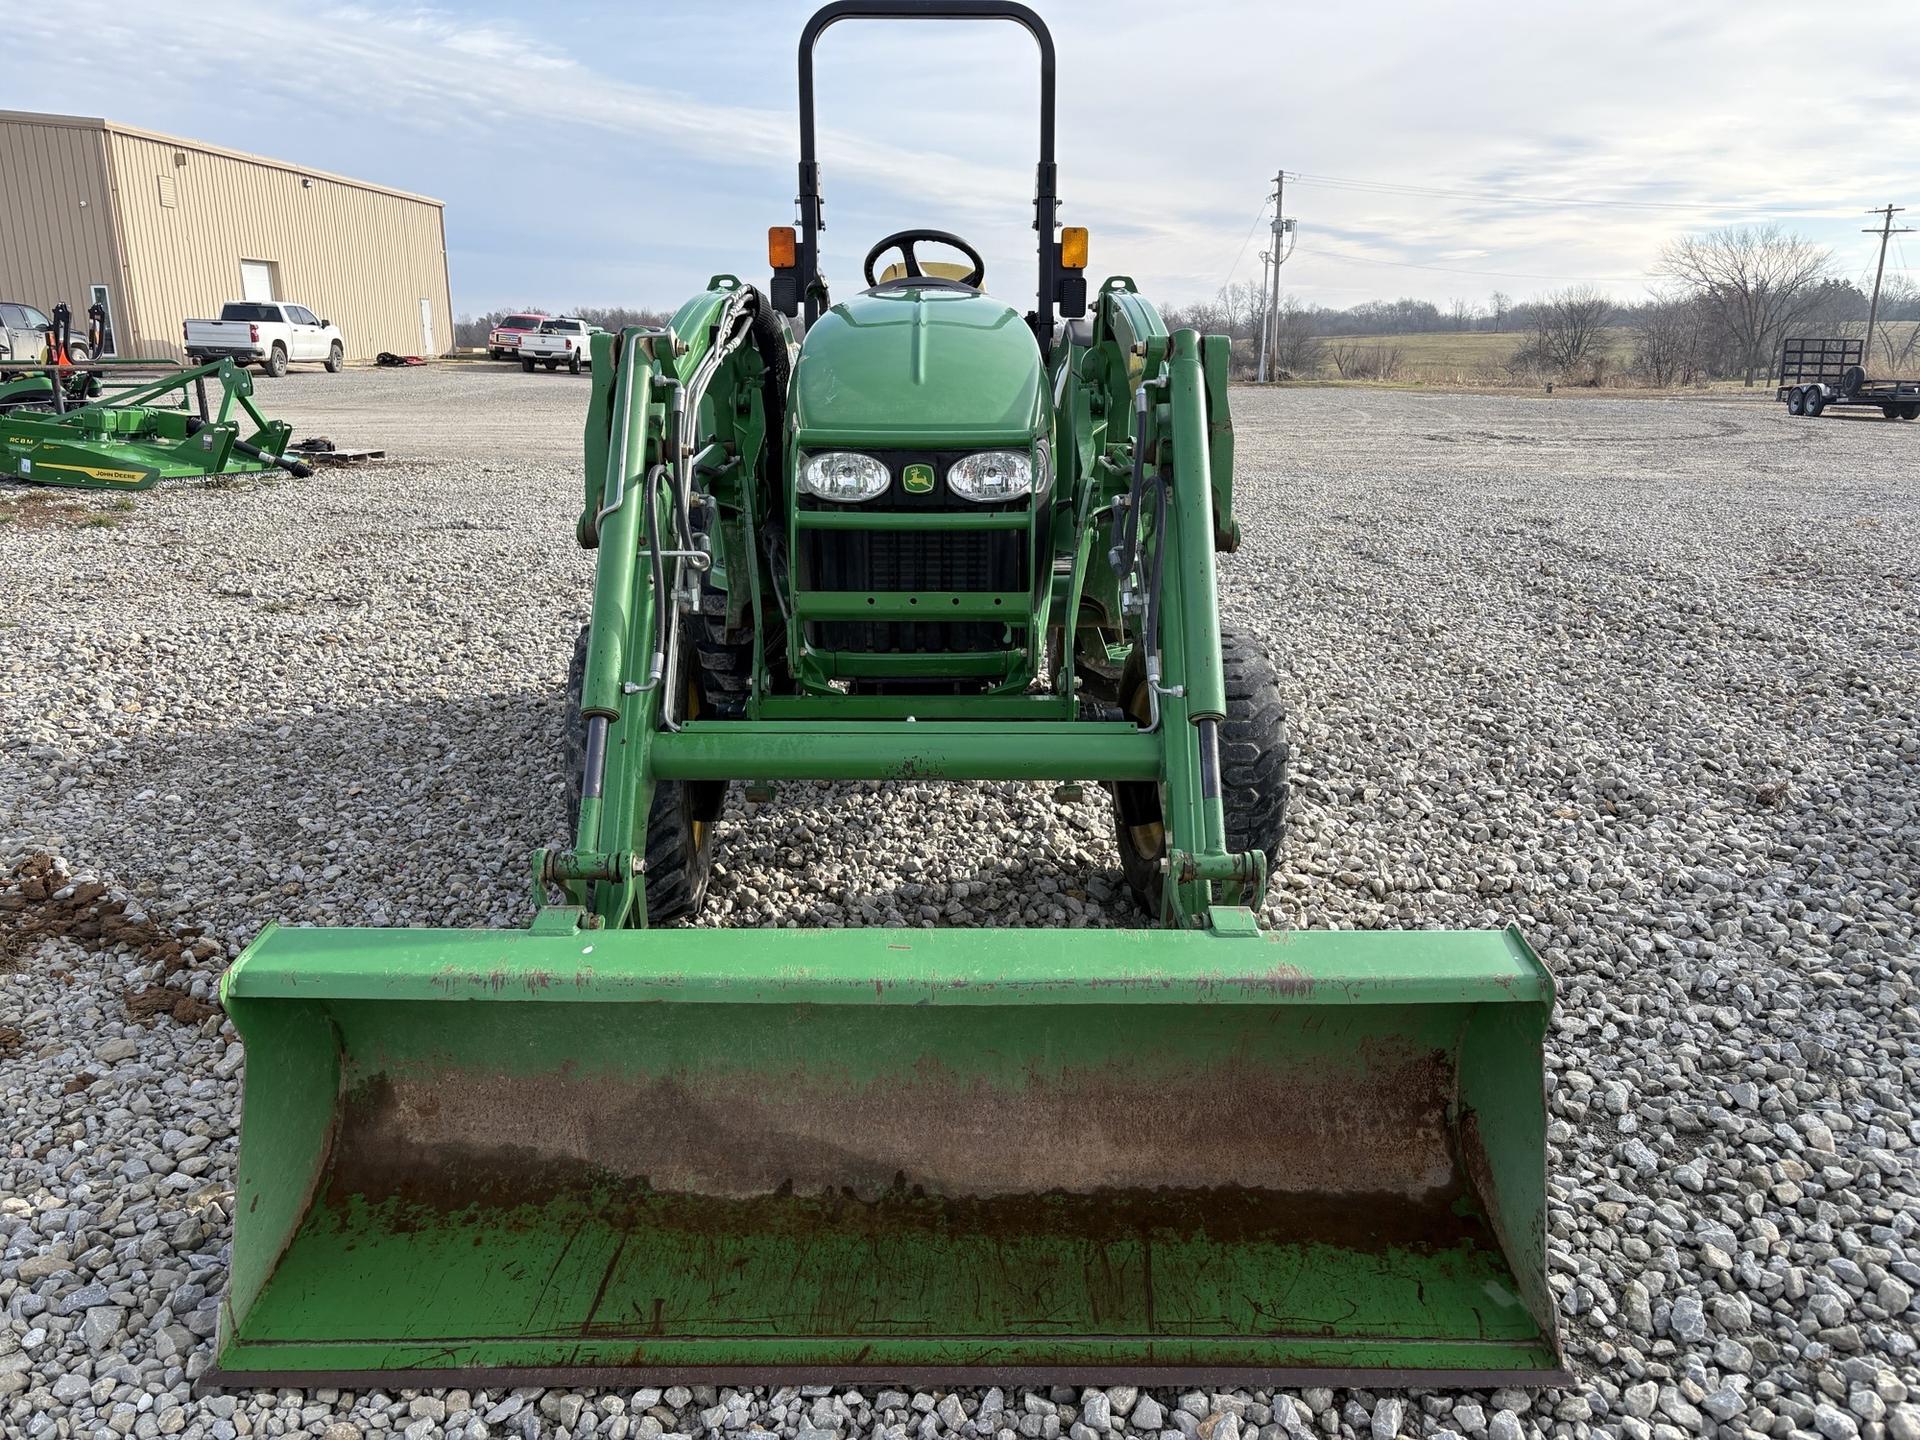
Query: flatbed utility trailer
(1821, 372)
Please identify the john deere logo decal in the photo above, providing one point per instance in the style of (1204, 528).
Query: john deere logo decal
(918, 479)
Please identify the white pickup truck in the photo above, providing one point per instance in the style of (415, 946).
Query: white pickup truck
(563, 341)
(267, 333)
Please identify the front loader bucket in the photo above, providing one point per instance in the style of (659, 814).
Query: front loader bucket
(741, 1156)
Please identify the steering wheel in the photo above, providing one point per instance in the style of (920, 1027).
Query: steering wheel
(905, 240)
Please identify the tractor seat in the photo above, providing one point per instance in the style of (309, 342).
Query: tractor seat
(952, 270)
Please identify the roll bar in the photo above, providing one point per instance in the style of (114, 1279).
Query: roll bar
(1046, 200)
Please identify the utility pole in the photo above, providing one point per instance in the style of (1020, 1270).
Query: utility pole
(1270, 289)
(1885, 232)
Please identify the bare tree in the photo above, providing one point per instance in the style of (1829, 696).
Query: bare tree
(1499, 308)
(1570, 327)
(1297, 351)
(1756, 279)
(1666, 340)
(1366, 362)
(1898, 340)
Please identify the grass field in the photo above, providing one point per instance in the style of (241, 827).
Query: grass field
(1455, 357)
(1478, 357)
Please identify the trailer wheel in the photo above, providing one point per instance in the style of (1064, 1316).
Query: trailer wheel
(1892, 412)
(1253, 770)
(1816, 401)
(1797, 402)
(1910, 410)
(679, 842)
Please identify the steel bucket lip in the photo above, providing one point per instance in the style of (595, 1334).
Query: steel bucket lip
(891, 966)
(590, 1377)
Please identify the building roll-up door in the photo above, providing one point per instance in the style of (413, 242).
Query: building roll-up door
(256, 281)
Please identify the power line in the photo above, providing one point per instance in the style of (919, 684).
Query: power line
(1386, 187)
(1244, 243)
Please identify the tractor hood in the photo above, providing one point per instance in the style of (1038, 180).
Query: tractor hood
(904, 367)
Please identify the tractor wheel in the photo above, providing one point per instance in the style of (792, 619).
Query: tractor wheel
(1797, 403)
(1816, 400)
(1253, 770)
(277, 361)
(679, 843)
(726, 655)
(336, 358)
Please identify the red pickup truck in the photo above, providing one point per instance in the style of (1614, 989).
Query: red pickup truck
(503, 341)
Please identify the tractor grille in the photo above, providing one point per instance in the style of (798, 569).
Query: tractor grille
(973, 560)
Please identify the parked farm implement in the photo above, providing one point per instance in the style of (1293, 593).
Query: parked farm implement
(1817, 375)
(129, 424)
(935, 541)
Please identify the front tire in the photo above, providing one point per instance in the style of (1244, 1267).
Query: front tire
(680, 821)
(336, 358)
(1253, 770)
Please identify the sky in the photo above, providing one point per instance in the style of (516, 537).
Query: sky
(620, 154)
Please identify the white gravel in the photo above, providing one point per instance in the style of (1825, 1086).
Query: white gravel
(1640, 675)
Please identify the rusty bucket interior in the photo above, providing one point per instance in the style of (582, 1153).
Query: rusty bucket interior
(775, 1154)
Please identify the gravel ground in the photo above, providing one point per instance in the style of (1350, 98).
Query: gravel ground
(1640, 675)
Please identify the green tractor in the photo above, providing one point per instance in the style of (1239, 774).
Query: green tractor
(936, 539)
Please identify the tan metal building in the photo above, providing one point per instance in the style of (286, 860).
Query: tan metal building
(160, 229)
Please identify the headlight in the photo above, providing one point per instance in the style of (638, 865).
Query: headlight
(843, 475)
(991, 475)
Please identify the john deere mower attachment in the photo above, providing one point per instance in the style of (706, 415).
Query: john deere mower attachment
(936, 540)
(129, 424)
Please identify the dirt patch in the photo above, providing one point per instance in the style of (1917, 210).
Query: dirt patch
(38, 510)
(40, 899)
(10, 1038)
(153, 1000)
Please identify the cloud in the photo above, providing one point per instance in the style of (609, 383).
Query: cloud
(666, 131)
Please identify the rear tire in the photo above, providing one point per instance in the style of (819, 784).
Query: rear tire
(679, 840)
(1253, 770)
(336, 358)
(552, 365)
(277, 361)
(573, 364)
(527, 365)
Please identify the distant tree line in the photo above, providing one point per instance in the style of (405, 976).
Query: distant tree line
(1723, 303)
